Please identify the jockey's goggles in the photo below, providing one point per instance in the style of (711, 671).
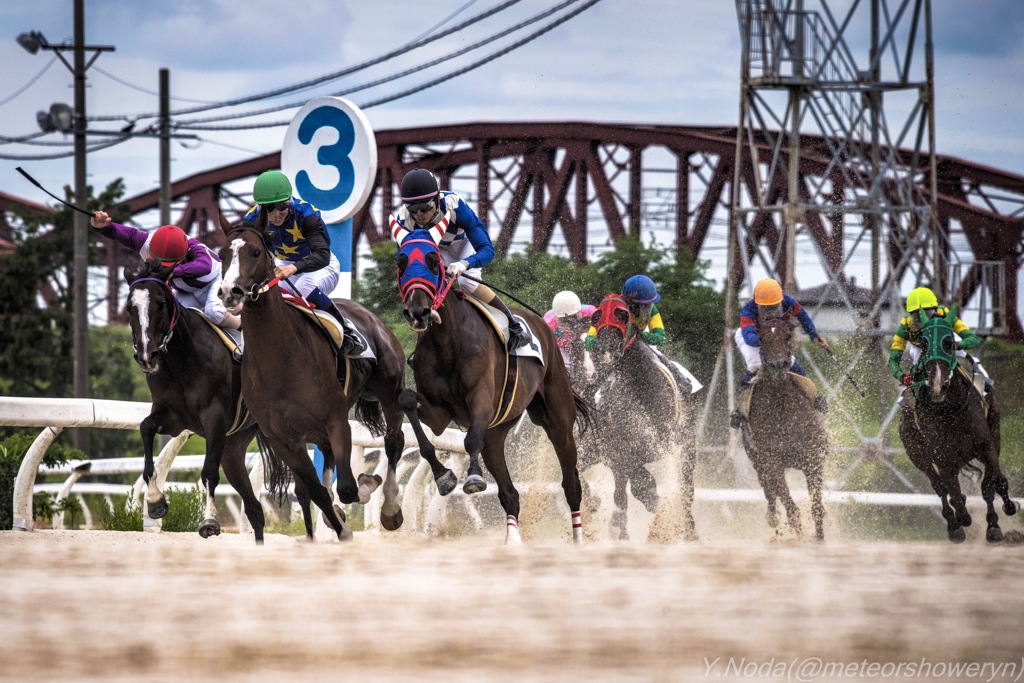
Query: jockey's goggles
(278, 206)
(422, 207)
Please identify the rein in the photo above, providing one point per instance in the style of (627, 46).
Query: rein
(162, 348)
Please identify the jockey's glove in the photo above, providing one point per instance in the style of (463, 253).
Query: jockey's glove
(906, 380)
(458, 268)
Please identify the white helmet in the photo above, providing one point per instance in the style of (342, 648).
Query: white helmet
(565, 303)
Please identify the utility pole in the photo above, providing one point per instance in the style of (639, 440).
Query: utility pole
(165, 147)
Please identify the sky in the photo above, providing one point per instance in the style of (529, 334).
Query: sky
(634, 61)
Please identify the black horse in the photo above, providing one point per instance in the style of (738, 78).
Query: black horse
(464, 374)
(945, 423)
(784, 430)
(642, 415)
(195, 385)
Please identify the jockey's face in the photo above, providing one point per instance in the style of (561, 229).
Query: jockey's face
(423, 212)
(278, 213)
(774, 311)
(640, 314)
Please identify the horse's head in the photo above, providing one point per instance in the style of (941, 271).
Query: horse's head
(611, 322)
(934, 369)
(420, 278)
(152, 312)
(247, 265)
(776, 336)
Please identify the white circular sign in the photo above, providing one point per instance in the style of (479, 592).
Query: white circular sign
(330, 156)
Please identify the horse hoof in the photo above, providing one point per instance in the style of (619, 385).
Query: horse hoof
(994, 534)
(1010, 508)
(367, 485)
(964, 519)
(348, 494)
(474, 484)
(446, 483)
(958, 535)
(209, 527)
(392, 522)
(157, 510)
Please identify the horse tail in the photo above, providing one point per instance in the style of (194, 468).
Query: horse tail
(584, 419)
(371, 416)
(276, 475)
(973, 471)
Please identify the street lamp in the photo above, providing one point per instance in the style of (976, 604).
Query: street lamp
(34, 41)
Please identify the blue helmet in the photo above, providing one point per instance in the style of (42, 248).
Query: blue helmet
(641, 290)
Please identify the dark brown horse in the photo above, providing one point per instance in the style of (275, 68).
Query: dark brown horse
(945, 424)
(464, 374)
(784, 430)
(641, 416)
(300, 390)
(195, 385)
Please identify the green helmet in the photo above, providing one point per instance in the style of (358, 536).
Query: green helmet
(270, 187)
(922, 297)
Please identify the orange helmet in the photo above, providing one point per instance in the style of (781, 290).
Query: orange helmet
(767, 292)
(168, 245)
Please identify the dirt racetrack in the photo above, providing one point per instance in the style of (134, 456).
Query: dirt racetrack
(99, 605)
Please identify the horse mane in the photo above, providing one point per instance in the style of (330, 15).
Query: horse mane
(147, 268)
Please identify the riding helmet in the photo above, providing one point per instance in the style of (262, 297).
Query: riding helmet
(641, 290)
(768, 292)
(168, 245)
(922, 297)
(565, 303)
(419, 184)
(271, 187)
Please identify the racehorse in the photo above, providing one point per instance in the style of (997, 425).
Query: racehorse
(784, 429)
(464, 374)
(300, 389)
(641, 412)
(945, 423)
(195, 385)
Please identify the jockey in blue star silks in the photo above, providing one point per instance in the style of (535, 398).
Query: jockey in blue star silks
(301, 247)
(769, 302)
(464, 243)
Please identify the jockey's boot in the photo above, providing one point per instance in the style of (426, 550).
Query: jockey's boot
(517, 336)
(821, 403)
(352, 344)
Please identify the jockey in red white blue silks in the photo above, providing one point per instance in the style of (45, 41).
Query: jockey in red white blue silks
(195, 278)
(464, 243)
(769, 302)
(302, 251)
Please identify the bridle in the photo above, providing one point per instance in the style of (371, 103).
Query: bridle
(437, 294)
(258, 289)
(162, 347)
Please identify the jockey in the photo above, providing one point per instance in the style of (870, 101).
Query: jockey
(769, 302)
(908, 336)
(195, 276)
(465, 247)
(301, 247)
(567, 318)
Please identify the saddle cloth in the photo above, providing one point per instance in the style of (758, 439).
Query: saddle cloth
(333, 326)
(499, 322)
(803, 383)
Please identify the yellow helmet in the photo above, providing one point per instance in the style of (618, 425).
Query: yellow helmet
(922, 297)
(767, 292)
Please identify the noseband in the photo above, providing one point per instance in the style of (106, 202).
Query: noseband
(437, 295)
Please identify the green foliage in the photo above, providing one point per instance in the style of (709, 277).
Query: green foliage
(127, 517)
(185, 509)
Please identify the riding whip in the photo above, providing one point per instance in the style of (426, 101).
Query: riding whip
(853, 383)
(502, 291)
(35, 182)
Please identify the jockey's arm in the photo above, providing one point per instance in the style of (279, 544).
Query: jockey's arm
(899, 345)
(467, 219)
(655, 332)
(590, 343)
(198, 263)
(319, 256)
(968, 340)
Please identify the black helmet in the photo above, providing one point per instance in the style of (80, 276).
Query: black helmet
(418, 185)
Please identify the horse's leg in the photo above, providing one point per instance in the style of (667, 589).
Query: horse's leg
(211, 477)
(444, 478)
(302, 496)
(156, 502)
(815, 480)
(233, 462)
(394, 443)
(687, 464)
(620, 513)
(558, 425)
(768, 487)
(920, 456)
(493, 450)
(341, 444)
(792, 511)
(643, 486)
(1002, 486)
(302, 468)
(327, 481)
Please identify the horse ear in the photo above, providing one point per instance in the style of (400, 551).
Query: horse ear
(923, 317)
(403, 263)
(225, 224)
(131, 273)
(951, 316)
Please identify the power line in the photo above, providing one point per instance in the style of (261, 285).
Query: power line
(64, 155)
(325, 78)
(142, 90)
(30, 82)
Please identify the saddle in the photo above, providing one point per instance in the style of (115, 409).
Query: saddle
(232, 339)
(330, 325)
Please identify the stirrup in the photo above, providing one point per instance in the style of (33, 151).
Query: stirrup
(352, 344)
(821, 403)
(517, 336)
(236, 354)
(736, 418)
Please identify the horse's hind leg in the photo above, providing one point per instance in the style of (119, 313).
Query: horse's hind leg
(995, 481)
(494, 457)
(814, 491)
(558, 425)
(621, 501)
(770, 495)
(211, 478)
(394, 442)
(302, 496)
(303, 470)
(792, 510)
(444, 478)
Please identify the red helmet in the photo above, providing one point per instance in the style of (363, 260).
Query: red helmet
(168, 245)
